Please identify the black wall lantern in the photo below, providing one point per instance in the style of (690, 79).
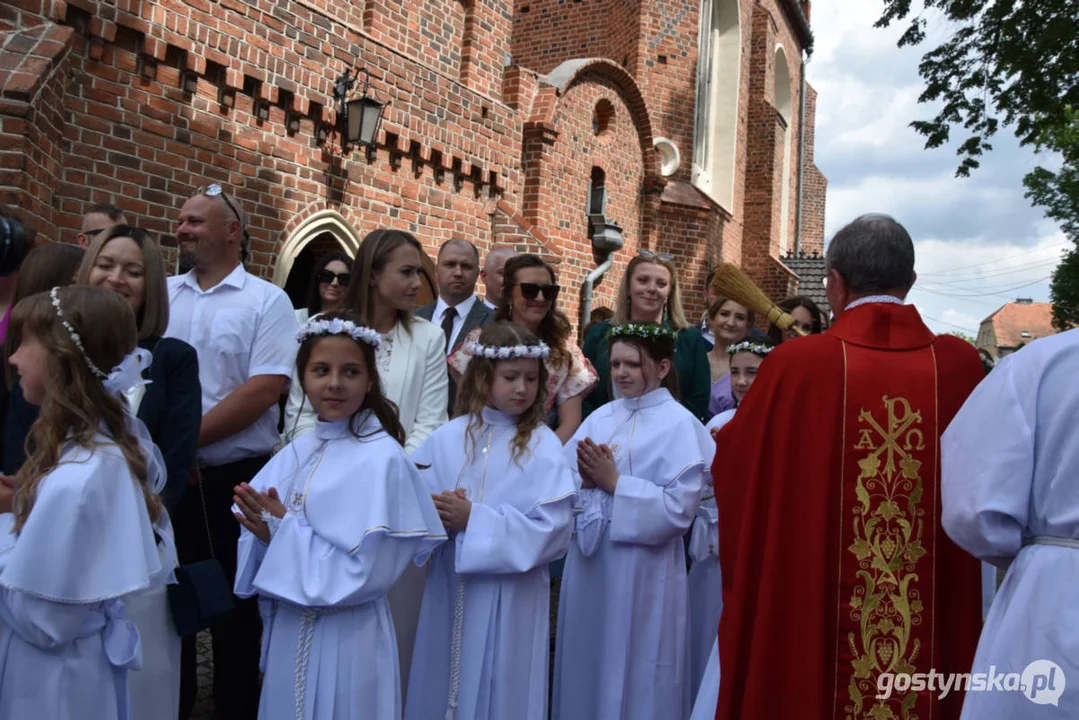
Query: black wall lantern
(358, 118)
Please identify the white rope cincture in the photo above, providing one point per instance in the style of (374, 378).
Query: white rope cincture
(303, 650)
(455, 648)
(303, 655)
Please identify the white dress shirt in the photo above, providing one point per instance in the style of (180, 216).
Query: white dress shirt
(490, 304)
(241, 328)
(463, 309)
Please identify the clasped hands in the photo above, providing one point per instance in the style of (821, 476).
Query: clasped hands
(596, 465)
(252, 504)
(454, 508)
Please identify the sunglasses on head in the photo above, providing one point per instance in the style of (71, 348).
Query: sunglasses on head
(530, 291)
(649, 255)
(216, 190)
(328, 276)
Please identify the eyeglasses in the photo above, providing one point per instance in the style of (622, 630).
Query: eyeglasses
(648, 255)
(530, 291)
(216, 190)
(328, 276)
(95, 233)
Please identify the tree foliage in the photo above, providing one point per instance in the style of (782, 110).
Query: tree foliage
(962, 336)
(1007, 63)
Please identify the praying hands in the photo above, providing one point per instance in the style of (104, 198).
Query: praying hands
(454, 508)
(596, 465)
(256, 509)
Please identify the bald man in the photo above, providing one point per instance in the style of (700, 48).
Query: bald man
(491, 274)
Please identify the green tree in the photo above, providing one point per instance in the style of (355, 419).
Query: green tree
(962, 336)
(1013, 64)
(1058, 193)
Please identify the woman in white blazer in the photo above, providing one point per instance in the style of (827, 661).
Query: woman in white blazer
(384, 286)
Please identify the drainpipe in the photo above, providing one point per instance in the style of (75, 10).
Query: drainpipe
(586, 289)
(801, 159)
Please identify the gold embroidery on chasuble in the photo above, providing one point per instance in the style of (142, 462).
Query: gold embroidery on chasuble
(885, 607)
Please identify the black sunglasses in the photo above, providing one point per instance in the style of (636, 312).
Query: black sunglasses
(328, 276)
(530, 291)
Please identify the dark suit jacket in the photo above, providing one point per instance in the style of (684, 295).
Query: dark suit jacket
(480, 316)
(171, 409)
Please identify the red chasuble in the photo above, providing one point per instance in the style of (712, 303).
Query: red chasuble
(835, 565)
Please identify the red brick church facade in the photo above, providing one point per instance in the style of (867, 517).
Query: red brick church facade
(504, 120)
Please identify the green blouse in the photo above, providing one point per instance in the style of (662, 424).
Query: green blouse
(690, 361)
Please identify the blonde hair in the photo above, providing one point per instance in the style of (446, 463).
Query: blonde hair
(474, 392)
(673, 312)
(152, 318)
(76, 407)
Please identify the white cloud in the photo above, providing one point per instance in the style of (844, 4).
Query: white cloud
(977, 239)
(960, 283)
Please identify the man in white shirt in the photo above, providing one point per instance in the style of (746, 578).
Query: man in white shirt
(244, 330)
(492, 274)
(458, 311)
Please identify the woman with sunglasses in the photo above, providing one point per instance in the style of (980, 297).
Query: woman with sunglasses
(328, 287)
(650, 293)
(529, 292)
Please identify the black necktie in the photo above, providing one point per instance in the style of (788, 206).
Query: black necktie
(447, 324)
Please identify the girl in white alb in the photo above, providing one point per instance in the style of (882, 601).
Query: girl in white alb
(82, 514)
(643, 463)
(506, 494)
(328, 526)
(705, 579)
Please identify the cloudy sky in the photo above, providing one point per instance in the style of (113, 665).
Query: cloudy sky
(979, 243)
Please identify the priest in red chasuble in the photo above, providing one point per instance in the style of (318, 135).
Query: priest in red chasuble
(837, 574)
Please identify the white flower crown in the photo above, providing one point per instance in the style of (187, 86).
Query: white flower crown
(752, 347)
(337, 326)
(125, 375)
(540, 351)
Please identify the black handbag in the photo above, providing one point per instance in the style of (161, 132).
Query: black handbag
(202, 596)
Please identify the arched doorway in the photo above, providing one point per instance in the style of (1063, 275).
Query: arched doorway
(324, 232)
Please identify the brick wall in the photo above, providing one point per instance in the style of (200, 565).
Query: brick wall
(561, 150)
(664, 66)
(140, 102)
(158, 103)
(547, 33)
(814, 184)
(34, 68)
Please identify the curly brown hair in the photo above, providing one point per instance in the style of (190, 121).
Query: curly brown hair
(555, 328)
(474, 391)
(77, 407)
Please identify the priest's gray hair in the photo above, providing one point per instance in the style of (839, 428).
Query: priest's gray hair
(874, 254)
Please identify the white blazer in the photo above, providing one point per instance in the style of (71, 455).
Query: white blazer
(417, 379)
(300, 417)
